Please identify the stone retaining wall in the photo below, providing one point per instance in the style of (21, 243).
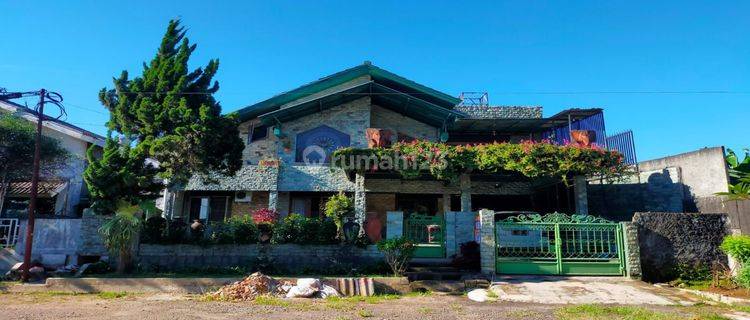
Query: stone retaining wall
(280, 257)
(670, 240)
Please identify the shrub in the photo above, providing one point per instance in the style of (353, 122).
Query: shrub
(244, 229)
(738, 247)
(337, 207)
(264, 215)
(235, 230)
(302, 230)
(743, 277)
(154, 230)
(176, 232)
(398, 252)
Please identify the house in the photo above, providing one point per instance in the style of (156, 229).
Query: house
(289, 139)
(63, 194)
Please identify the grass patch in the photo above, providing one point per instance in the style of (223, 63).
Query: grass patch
(364, 313)
(424, 310)
(112, 294)
(271, 301)
(602, 312)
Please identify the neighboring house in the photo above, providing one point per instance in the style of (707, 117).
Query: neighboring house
(64, 193)
(337, 111)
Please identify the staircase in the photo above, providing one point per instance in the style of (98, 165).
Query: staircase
(437, 275)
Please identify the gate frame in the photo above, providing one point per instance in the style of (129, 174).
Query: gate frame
(427, 250)
(557, 219)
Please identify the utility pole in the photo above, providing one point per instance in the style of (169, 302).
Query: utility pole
(44, 97)
(34, 188)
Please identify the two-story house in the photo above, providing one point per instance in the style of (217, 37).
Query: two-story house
(336, 111)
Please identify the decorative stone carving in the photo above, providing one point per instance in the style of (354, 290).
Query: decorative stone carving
(378, 138)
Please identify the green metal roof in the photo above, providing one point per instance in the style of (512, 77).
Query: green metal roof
(381, 95)
(377, 75)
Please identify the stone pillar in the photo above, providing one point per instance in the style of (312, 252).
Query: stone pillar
(632, 250)
(487, 241)
(446, 202)
(360, 201)
(450, 234)
(465, 192)
(394, 225)
(273, 200)
(582, 202)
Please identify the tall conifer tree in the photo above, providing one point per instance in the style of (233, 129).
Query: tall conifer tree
(170, 115)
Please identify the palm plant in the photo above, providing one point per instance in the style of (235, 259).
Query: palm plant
(739, 176)
(120, 233)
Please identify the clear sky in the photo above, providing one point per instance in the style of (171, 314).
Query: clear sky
(674, 72)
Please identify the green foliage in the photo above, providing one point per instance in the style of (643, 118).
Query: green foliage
(339, 206)
(398, 252)
(236, 230)
(743, 276)
(170, 115)
(120, 174)
(691, 273)
(531, 159)
(119, 234)
(154, 230)
(298, 229)
(738, 247)
(739, 176)
(18, 135)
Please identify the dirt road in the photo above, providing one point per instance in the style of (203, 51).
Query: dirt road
(169, 306)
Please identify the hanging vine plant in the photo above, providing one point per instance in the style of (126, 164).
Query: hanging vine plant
(448, 162)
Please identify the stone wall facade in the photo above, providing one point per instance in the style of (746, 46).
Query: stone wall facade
(397, 123)
(632, 249)
(487, 241)
(282, 257)
(501, 112)
(91, 243)
(672, 240)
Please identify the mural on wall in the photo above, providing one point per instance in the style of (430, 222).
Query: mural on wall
(317, 145)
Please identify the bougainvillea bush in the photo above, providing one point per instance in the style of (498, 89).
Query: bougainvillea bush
(447, 162)
(264, 215)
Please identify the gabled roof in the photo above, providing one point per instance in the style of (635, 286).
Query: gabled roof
(53, 124)
(381, 95)
(376, 74)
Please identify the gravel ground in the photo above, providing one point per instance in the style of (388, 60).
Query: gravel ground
(169, 306)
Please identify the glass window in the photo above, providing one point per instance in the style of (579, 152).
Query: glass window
(259, 132)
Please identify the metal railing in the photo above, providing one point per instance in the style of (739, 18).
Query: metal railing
(8, 232)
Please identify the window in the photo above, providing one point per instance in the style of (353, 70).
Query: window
(213, 208)
(258, 132)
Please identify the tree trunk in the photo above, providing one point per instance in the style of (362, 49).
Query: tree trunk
(125, 262)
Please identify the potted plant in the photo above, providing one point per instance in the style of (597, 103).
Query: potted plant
(264, 219)
(338, 207)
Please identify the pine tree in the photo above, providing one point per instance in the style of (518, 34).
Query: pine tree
(170, 115)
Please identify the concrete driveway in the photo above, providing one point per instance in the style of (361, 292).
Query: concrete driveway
(577, 290)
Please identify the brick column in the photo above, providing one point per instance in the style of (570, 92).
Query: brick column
(465, 192)
(487, 241)
(582, 201)
(632, 250)
(394, 225)
(360, 202)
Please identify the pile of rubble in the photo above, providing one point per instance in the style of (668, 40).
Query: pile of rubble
(258, 284)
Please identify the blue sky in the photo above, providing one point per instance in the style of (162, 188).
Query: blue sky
(620, 55)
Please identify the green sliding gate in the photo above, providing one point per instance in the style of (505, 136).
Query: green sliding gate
(559, 244)
(427, 233)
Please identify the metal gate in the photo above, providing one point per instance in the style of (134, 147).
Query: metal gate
(559, 244)
(427, 233)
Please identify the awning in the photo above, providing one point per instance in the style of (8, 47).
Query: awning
(46, 189)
